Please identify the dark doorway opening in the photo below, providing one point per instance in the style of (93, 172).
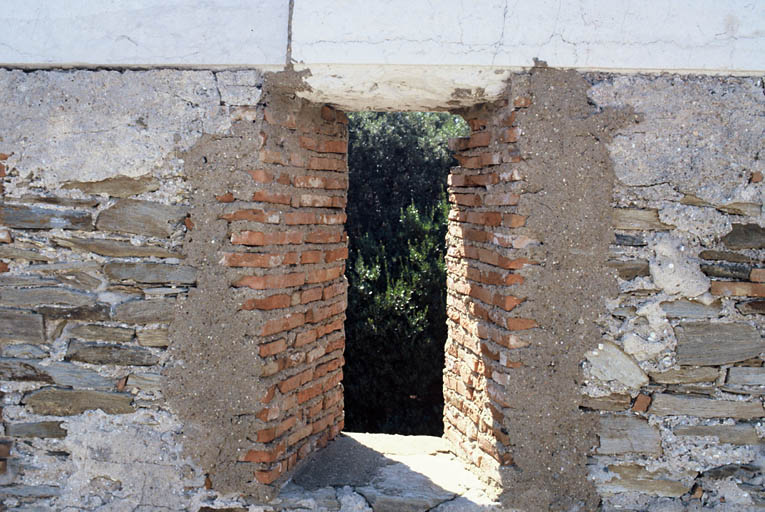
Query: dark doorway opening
(396, 317)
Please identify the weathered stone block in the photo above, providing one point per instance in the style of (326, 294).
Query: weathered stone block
(151, 273)
(96, 353)
(57, 372)
(67, 402)
(14, 253)
(95, 332)
(628, 434)
(153, 337)
(145, 311)
(115, 248)
(686, 375)
(755, 307)
(33, 217)
(742, 433)
(638, 219)
(118, 186)
(635, 478)
(629, 270)
(145, 381)
(745, 236)
(614, 402)
(690, 309)
(610, 363)
(91, 313)
(727, 270)
(675, 405)
(746, 376)
(30, 297)
(37, 429)
(710, 344)
(141, 218)
(21, 326)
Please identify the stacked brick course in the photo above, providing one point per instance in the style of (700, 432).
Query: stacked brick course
(486, 250)
(286, 236)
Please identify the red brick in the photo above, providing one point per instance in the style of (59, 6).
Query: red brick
(307, 394)
(465, 199)
(264, 196)
(311, 295)
(474, 141)
(271, 238)
(326, 164)
(254, 215)
(228, 197)
(509, 120)
(506, 302)
(756, 177)
(333, 290)
(321, 182)
(478, 161)
(501, 199)
(322, 313)
(261, 176)
(264, 456)
(328, 113)
(299, 435)
(474, 180)
(318, 201)
(336, 255)
(294, 382)
(269, 395)
(268, 156)
(737, 289)
(520, 324)
(4, 267)
(308, 257)
(269, 477)
(272, 302)
(306, 337)
(297, 160)
(757, 275)
(641, 403)
(510, 134)
(341, 117)
(323, 237)
(271, 281)
(324, 146)
(323, 330)
(322, 424)
(337, 344)
(258, 260)
(477, 124)
(273, 348)
(323, 275)
(333, 381)
(328, 367)
(282, 324)
(511, 220)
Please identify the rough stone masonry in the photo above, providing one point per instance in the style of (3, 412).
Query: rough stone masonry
(172, 293)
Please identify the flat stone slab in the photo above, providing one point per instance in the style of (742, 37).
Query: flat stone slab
(392, 473)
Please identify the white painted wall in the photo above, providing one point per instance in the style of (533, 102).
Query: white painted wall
(144, 32)
(685, 35)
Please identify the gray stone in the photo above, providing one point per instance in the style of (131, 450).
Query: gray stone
(725, 256)
(97, 353)
(608, 362)
(145, 381)
(14, 253)
(115, 248)
(80, 280)
(61, 201)
(753, 307)
(26, 280)
(153, 337)
(740, 471)
(710, 344)
(151, 273)
(690, 309)
(727, 270)
(664, 404)
(745, 236)
(31, 491)
(24, 351)
(145, 311)
(685, 375)
(629, 270)
(743, 376)
(68, 402)
(30, 297)
(241, 87)
(37, 429)
(614, 402)
(141, 218)
(22, 370)
(628, 434)
(396, 488)
(33, 217)
(21, 326)
(91, 313)
(629, 240)
(117, 186)
(95, 332)
(635, 478)
(71, 375)
(638, 219)
(741, 434)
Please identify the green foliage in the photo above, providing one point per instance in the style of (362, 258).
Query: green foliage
(396, 326)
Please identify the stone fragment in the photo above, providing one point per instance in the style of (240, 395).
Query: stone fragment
(725, 256)
(754, 307)
(746, 376)
(21, 326)
(726, 270)
(145, 381)
(31, 491)
(629, 270)
(740, 471)
(26, 280)
(629, 240)
(396, 488)
(97, 353)
(37, 429)
(638, 219)
(92, 313)
(239, 87)
(61, 201)
(685, 375)
(674, 271)
(712, 344)
(737, 289)
(24, 351)
(745, 236)
(614, 402)
(57, 372)
(741, 208)
(691, 309)
(30, 297)
(145, 311)
(118, 186)
(115, 248)
(95, 332)
(141, 218)
(628, 434)
(14, 253)
(80, 280)
(635, 478)
(67, 402)
(741, 433)
(676, 405)
(151, 273)
(33, 217)
(608, 362)
(153, 337)
(5, 236)
(22, 370)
